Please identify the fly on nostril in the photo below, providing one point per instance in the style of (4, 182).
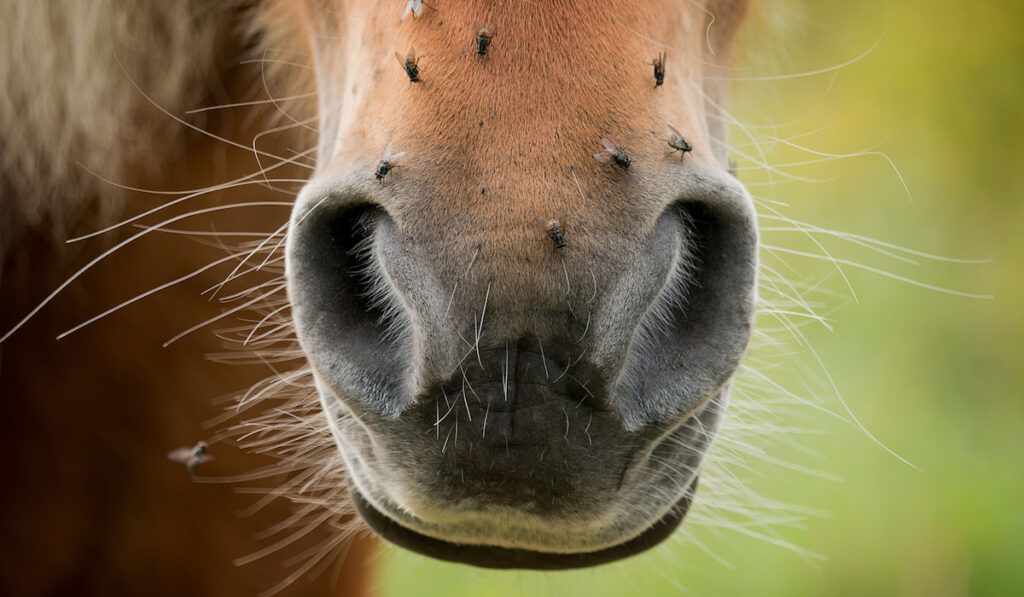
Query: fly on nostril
(411, 64)
(612, 155)
(554, 229)
(678, 143)
(389, 162)
(483, 39)
(659, 69)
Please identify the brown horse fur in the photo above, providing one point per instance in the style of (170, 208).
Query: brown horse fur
(91, 505)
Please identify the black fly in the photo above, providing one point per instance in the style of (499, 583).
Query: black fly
(659, 69)
(612, 155)
(192, 457)
(678, 143)
(411, 64)
(483, 40)
(385, 165)
(554, 229)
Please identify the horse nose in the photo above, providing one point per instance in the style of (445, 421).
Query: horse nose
(657, 311)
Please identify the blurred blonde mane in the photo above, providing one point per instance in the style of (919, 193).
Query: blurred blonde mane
(84, 84)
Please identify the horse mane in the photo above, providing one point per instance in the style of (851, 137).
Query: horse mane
(84, 87)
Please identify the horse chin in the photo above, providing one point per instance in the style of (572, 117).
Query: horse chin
(498, 557)
(525, 506)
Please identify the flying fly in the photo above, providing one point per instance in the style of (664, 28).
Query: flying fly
(191, 457)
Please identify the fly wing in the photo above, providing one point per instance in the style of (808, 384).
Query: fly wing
(387, 152)
(182, 455)
(408, 7)
(608, 145)
(673, 130)
(663, 60)
(603, 157)
(417, 7)
(400, 60)
(394, 159)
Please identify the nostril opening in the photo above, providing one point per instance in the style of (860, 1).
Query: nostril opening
(349, 276)
(719, 273)
(364, 285)
(697, 337)
(346, 311)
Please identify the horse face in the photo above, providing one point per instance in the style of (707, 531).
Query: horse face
(500, 400)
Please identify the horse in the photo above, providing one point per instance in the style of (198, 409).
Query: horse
(443, 369)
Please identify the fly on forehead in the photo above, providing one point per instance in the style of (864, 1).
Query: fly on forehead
(659, 69)
(554, 227)
(484, 36)
(411, 64)
(612, 154)
(413, 6)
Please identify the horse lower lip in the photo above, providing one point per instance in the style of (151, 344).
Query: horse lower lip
(486, 556)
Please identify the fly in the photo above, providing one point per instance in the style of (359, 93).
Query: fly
(387, 164)
(192, 457)
(554, 229)
(659, 69)
(413, 6)
(612, 155)
(483, 40)
(677, 142)
(411, 64)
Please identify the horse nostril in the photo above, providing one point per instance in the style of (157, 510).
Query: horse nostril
(343, 270)
(361, 273)
(722, 276)
(696, 338)
(346, 314)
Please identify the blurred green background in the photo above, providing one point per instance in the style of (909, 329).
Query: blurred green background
(936, 377)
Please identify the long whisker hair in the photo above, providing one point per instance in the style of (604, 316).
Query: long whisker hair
(282, 417)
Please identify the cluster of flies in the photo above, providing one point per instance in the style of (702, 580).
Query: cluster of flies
(611, 154)
(411, 64)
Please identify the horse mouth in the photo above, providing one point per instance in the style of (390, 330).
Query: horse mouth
(581, 443)
(554, 481)
(489, 556)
